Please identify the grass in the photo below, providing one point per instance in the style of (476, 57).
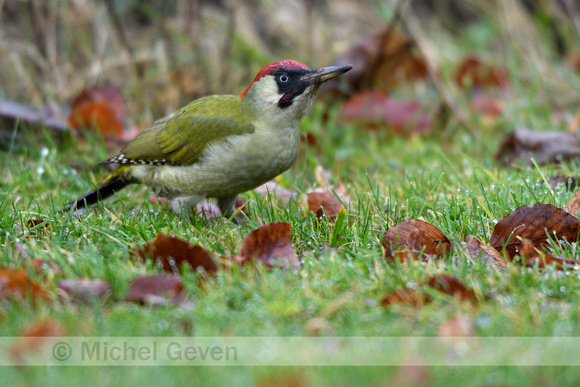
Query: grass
(447, 178)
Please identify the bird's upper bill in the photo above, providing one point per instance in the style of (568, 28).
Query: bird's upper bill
(320, 75)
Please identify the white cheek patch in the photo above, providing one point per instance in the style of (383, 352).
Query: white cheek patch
(268, 90)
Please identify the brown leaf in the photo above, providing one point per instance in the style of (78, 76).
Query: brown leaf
(382, 60)
(573, 60)
(324, 203)
(51, 116)
(84, 290)
(544, 147)
(15, 284)
(272, 245)
(156, 290)
(376, 109)
(34, 337)
(39, 227)
(452, 286)
(471, 72)
(415, 237)
(481, 252)
(533, 256)
(487, 106)
(534, 223)
(171, 253)
(109, 94)
(99, 115)
(412, 297)
(573, 206)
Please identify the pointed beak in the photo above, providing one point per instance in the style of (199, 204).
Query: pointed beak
(323, 74)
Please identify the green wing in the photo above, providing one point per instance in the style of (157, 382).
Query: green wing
(182, 137)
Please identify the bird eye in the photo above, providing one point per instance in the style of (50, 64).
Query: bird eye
(284, 78)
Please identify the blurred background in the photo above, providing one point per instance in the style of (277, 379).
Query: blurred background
(160, 54)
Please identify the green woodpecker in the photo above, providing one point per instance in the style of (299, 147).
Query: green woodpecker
(219, 146)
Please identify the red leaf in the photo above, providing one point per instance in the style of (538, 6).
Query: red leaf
(413, 237)
(375, 108)
(324, 203)
(97, 115)
(471, 72)
(34, 337)
(452, 286)
(412, 297)
(272, 245)
(172, 253)
(534, 223)
(156, 290)
(109, 94)
(16, 285)
(533, 256)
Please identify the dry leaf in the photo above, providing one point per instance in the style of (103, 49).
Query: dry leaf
(534, 223)
(171, 253)
(324, 203)
(457, 326)
(272, 245)
(84, 290)
(15, 284)
(450, 285)
(573, 206)
(533, 256)
(33, 339)
(109, 94)
(544, 147)
(415, 237)
(481, 252)
(99, 115)
(275, 190)
(156, 290)
(412, 297)
(376, 109)
(471, 72)
(383, 60)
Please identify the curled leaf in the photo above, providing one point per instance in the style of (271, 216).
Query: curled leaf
(171, 253)
(155, 290)
(324, 203)
(415, 238)
(272, 245)
(535, 223)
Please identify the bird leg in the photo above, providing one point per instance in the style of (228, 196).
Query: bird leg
(228, 208)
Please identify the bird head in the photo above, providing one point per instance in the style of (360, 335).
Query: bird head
(287, 88)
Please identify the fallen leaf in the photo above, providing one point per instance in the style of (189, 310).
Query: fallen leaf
(51, 116)
(481, 252)
(415, 237)
(471, 72)
(42, 267)
(452, 286)
(109, 94)
(382, 60)
(156, 290)
(533, 256)
(412, 297)
(573, 60)
(39, 227)
(15, 284)
(96, 115)
(324, 203)
(376, 109)
(486, 106)
(84, 290)
(535, 223)
(544, 147)
(34, 338)
(171, 253)
(271, 244)
(573, 206)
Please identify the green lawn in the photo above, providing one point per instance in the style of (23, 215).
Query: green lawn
(448, 178)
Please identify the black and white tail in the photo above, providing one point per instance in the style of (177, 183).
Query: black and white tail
(104, 191)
